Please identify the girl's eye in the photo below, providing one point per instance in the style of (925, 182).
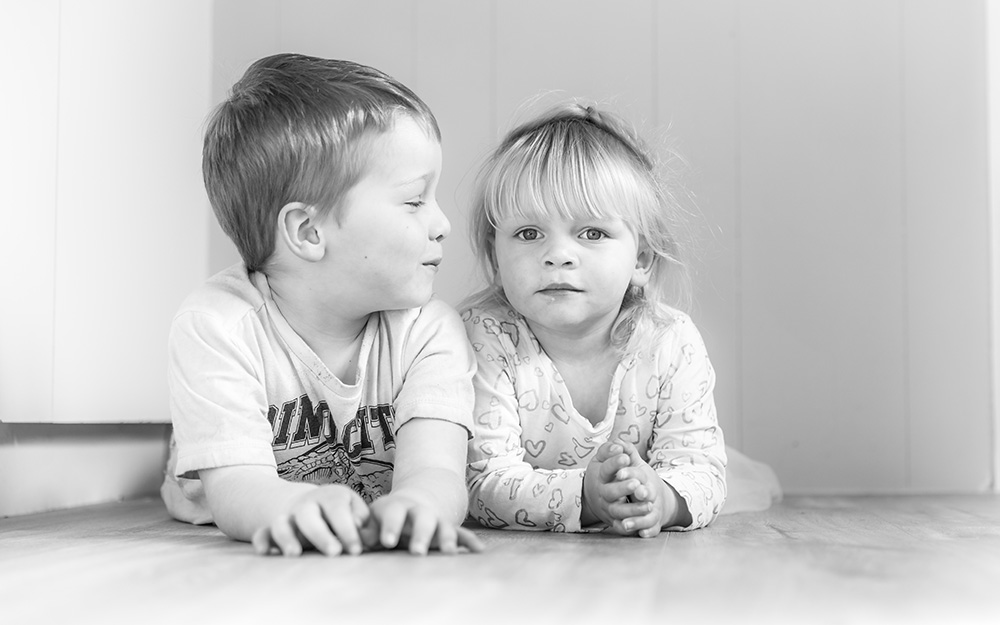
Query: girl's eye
(527, 234)
(593, 234)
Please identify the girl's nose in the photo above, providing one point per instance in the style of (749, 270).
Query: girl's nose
(559, 254)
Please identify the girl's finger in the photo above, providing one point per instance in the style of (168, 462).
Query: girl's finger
(630, 511)
(610, 467)
(614, 491)
(646, 525)
(607, 450)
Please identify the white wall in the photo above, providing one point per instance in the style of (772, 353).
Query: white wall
(993, 44)
(838, 157)
(838, 153)
(104, 213)
(104, 230)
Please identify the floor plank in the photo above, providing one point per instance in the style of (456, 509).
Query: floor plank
(806, 560)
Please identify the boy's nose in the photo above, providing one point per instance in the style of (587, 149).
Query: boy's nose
(440, 227)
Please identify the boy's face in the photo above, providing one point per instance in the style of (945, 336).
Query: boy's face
(385, 252)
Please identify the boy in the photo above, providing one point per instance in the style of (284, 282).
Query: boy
(320, 397)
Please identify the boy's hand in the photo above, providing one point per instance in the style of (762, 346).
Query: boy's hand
(605, 496)
(327, 518)
(654, 502)
(403, 520)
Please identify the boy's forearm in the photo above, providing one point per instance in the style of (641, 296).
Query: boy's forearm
(244, 499)
(442, 489)
(430, 466)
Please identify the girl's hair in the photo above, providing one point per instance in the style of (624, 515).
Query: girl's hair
(576, 161)
(296, 128)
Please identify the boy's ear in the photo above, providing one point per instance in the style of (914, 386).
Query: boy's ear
(299, 230)
(643, 268)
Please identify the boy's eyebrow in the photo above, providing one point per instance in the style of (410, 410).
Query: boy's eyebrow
(425, 178)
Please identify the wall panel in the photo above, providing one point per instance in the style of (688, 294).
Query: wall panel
(454, 77)
(696, 107)
(565, 48)
(831, 144)
(822, 242)
(131, 237)
(947, 255)
(27, 235)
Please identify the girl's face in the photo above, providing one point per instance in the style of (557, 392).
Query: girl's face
(568, 276)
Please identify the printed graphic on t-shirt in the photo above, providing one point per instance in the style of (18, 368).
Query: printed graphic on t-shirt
(309, 447)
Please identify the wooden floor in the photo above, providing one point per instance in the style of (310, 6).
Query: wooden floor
(807, 560)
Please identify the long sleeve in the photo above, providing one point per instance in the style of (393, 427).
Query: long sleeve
(506, 490)
(686, 444)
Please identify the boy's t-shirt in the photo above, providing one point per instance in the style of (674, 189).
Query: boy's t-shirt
(531, 446)
(245, 389)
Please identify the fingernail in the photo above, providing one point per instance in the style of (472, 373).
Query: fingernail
(627, 525)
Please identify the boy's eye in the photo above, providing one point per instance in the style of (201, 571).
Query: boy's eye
(527, 234)
(415, 203)
(593, 234)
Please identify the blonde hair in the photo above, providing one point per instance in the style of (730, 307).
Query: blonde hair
(576, 161)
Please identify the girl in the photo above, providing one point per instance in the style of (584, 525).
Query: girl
(594, 405)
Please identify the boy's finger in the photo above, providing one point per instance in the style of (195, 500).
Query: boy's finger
(446, 539)
(359, 509)
(391, 523)
(341, 520)
(283, 536)
(369, 533)
(261, 541)
(422, 526)
(468, 539)
(314, 529)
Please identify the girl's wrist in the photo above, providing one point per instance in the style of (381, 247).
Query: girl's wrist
(676, 512)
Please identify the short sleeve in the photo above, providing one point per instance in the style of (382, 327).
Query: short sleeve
(218, 403)
(439, 369)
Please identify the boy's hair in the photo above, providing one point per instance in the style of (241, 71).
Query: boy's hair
(575, 161)
(296, 129)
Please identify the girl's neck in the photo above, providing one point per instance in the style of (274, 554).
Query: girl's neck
(586, 362)
(581, 346)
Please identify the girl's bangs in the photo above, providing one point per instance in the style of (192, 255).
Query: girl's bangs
(572, 184)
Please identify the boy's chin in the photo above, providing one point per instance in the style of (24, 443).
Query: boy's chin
(409, 302)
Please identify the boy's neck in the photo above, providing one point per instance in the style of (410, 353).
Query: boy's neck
(330, 328)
